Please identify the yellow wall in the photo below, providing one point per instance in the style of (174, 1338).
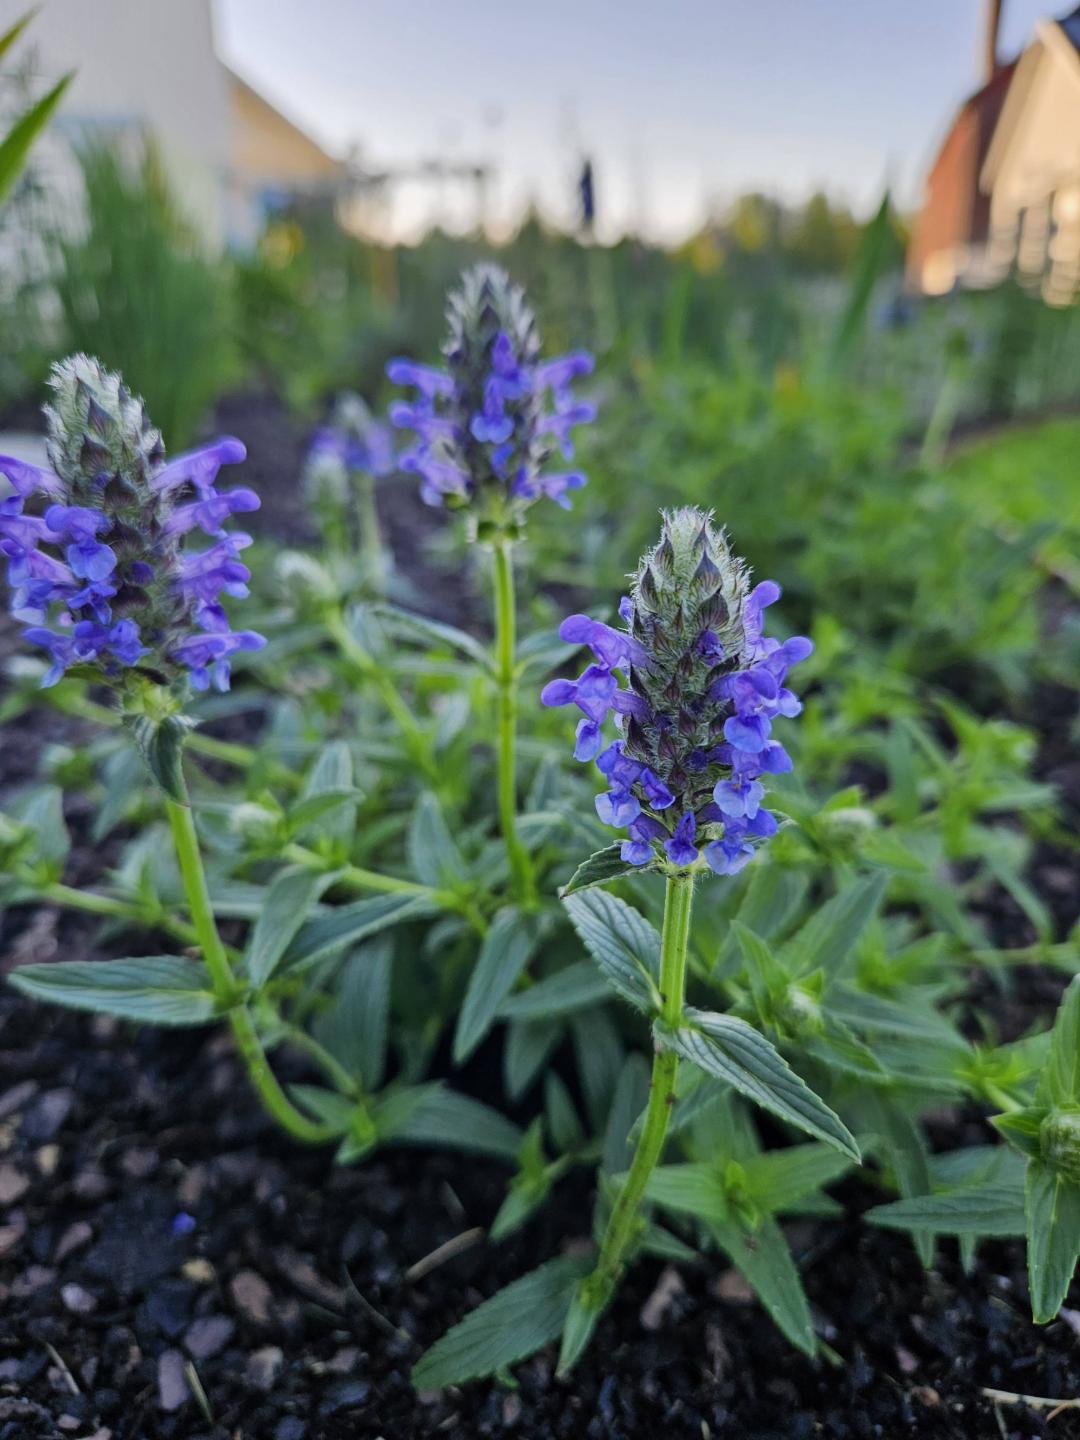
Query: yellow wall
(270, 149)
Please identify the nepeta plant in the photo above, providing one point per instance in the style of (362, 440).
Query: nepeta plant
(486, 429)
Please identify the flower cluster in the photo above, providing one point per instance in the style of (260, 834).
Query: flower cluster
(352, 441)
(105, 562)
(488, 425)
(704, 685)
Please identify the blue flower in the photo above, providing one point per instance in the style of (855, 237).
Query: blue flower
(486, 427)
(124, 594)
(704, 685)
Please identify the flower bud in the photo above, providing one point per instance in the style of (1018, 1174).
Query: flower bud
(1059, 1143)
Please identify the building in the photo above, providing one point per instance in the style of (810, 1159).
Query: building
(230, 154)
(1003, 193)
(1032, 170)
(949, 237)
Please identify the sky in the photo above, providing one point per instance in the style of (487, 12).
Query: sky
(681, 104)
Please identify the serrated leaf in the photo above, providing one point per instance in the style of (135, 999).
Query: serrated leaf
(623, 944)
(828, 937)
(692, 1188)
(973, 1210)
(434, 858)
(288, 900)
(154, 989)
(504, 954)
(161, 745)
(1052, 1204)
(574, 988)
(349, 924)
(732, 1050)
(601, 868)
(514, 1323)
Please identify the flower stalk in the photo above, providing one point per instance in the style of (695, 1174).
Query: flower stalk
(521, 868)
(224, 984)
(624, 1222)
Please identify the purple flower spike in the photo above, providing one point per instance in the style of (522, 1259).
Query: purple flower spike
(497, 414)
(704, 686)
(124, 595)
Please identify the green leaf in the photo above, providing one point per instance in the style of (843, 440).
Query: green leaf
(631, 1097)
(996, 1209)
(601, 868)
(41, 810)
(330, 775)
(732, 1050)
(599, 1056)
(434, 858)
(1063, 1071)
(504, 954)
(15, 146)
(422, 627)
(828, 937)
(623, 944)
(690, 1189)
(516, 1322)
(330, 1106)
(778, 1180)
(347, 925)
(571, 989)
(156, 989)
(563, 1124)
(436, 1115)
(1053, 1238)
(288, 900)
(765, 1260)
(318, 807)
(357, 1028)
(8, 38)
(581, 1321)
(528, 1045)
(773, 897)
(161, 745)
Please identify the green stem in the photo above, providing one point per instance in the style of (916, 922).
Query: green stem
(354, 876)
(622, 1226)
(371, 546)
(506, 680)
(95, 904)
(223, 982)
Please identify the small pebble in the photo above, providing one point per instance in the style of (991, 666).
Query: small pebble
(73, 1238)
(46, 1115)
(263, 1367)
(290, 1429)
(208, 1336)
(11, 1235)
(47, 1157)
(13, 1184)
(78, 1300)
(173, 1388)
(252, 1296)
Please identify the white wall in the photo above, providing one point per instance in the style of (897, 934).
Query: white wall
(148, 63)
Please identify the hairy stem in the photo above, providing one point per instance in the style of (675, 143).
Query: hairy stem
(623, 1223)
(505, 648)
(223, 982)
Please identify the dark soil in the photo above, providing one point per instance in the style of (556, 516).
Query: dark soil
(150, 1217)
